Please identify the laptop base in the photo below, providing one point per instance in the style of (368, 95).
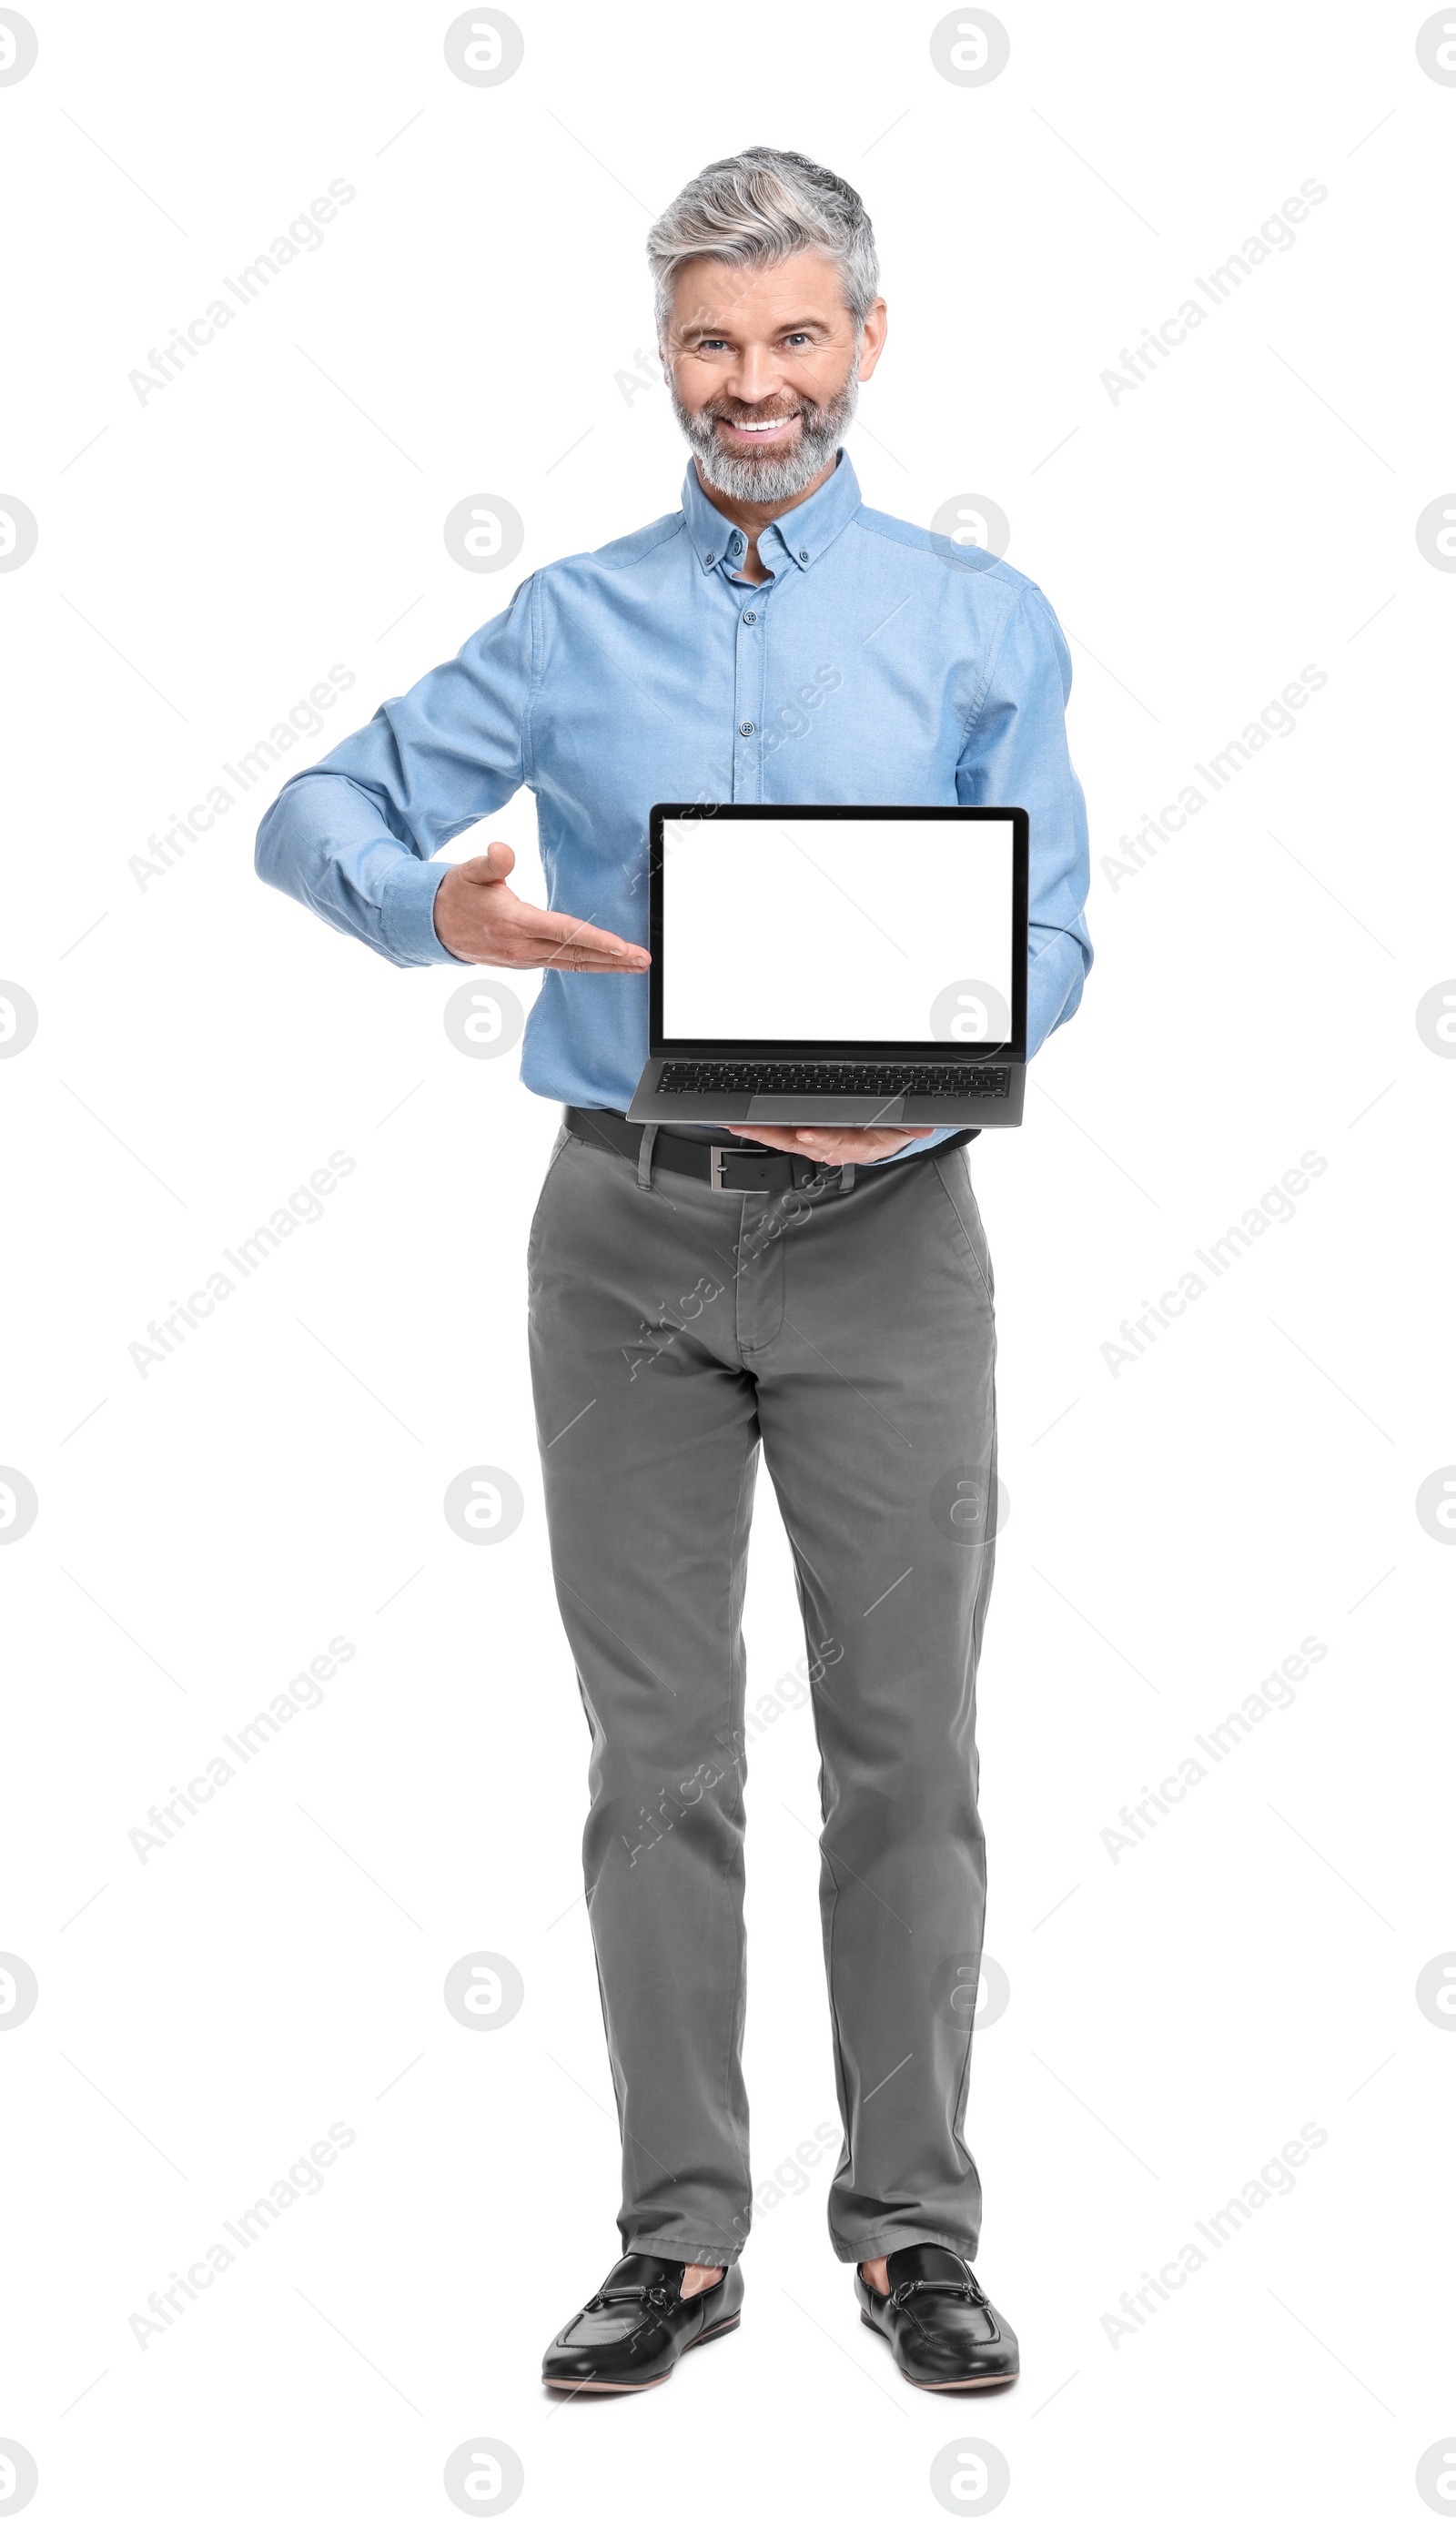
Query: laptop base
(942, 1114)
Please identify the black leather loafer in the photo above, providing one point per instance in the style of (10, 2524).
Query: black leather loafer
(635, 2329)
(938, 2321)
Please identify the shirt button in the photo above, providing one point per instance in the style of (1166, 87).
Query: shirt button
(803, 557)
(746, 728)
(735, 543)
(712, 556)
(751, 617)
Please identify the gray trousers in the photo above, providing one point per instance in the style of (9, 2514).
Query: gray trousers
(849, 1329)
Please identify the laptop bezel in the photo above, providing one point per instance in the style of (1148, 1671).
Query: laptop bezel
(780, 1048)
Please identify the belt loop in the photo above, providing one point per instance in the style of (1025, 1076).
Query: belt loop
(644, 1158)
(847, 1177)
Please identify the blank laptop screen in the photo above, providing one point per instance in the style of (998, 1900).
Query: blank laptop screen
(844, 930)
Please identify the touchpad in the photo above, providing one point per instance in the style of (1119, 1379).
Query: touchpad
(825, 1110)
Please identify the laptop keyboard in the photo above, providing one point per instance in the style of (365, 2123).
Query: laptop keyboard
(834, 1079)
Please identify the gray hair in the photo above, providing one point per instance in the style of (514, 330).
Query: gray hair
(755, 209)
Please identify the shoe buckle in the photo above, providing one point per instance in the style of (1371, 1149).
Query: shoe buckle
(970, 2288)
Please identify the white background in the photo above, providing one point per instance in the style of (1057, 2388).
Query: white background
(1175, 1529)
(865, 918)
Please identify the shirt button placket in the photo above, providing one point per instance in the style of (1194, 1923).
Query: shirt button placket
(748, 690)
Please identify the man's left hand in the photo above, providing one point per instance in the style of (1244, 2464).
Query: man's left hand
(833, 1149)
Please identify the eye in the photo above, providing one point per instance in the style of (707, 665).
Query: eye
(796, 338)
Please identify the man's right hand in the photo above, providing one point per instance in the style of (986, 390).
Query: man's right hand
(479, 919)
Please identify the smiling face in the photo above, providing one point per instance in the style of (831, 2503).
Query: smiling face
(764, 365)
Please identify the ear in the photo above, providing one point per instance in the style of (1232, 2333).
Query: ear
(872, 338)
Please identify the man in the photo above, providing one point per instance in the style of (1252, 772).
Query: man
(826, 1293)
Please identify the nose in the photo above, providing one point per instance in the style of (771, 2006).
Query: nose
(756, 378)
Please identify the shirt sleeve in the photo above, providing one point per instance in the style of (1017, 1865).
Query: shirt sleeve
(352, 837)
(1014, 756)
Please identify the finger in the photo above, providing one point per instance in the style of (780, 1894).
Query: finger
(829, 1149)
(767, 1133)
(864, 1133)
(836, 1147)
(866, 1139)
(841, 1149)
(586, 960)
(560, 935)
(494, 864)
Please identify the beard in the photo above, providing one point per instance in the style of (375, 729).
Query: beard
(776, 474)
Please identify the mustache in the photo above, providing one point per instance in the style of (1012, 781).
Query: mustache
(755, 412)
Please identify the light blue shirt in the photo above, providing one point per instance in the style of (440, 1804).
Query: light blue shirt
(879, 663)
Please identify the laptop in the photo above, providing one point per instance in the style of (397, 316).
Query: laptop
(837, 965)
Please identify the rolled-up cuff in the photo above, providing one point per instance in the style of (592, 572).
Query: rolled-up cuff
(888, 2242)
(672, 2250)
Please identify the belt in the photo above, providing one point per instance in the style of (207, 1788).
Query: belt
(729, 1166)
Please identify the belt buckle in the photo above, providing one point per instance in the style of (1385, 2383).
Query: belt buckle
(718, 1151)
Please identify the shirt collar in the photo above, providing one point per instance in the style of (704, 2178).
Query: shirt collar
(801, 536)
